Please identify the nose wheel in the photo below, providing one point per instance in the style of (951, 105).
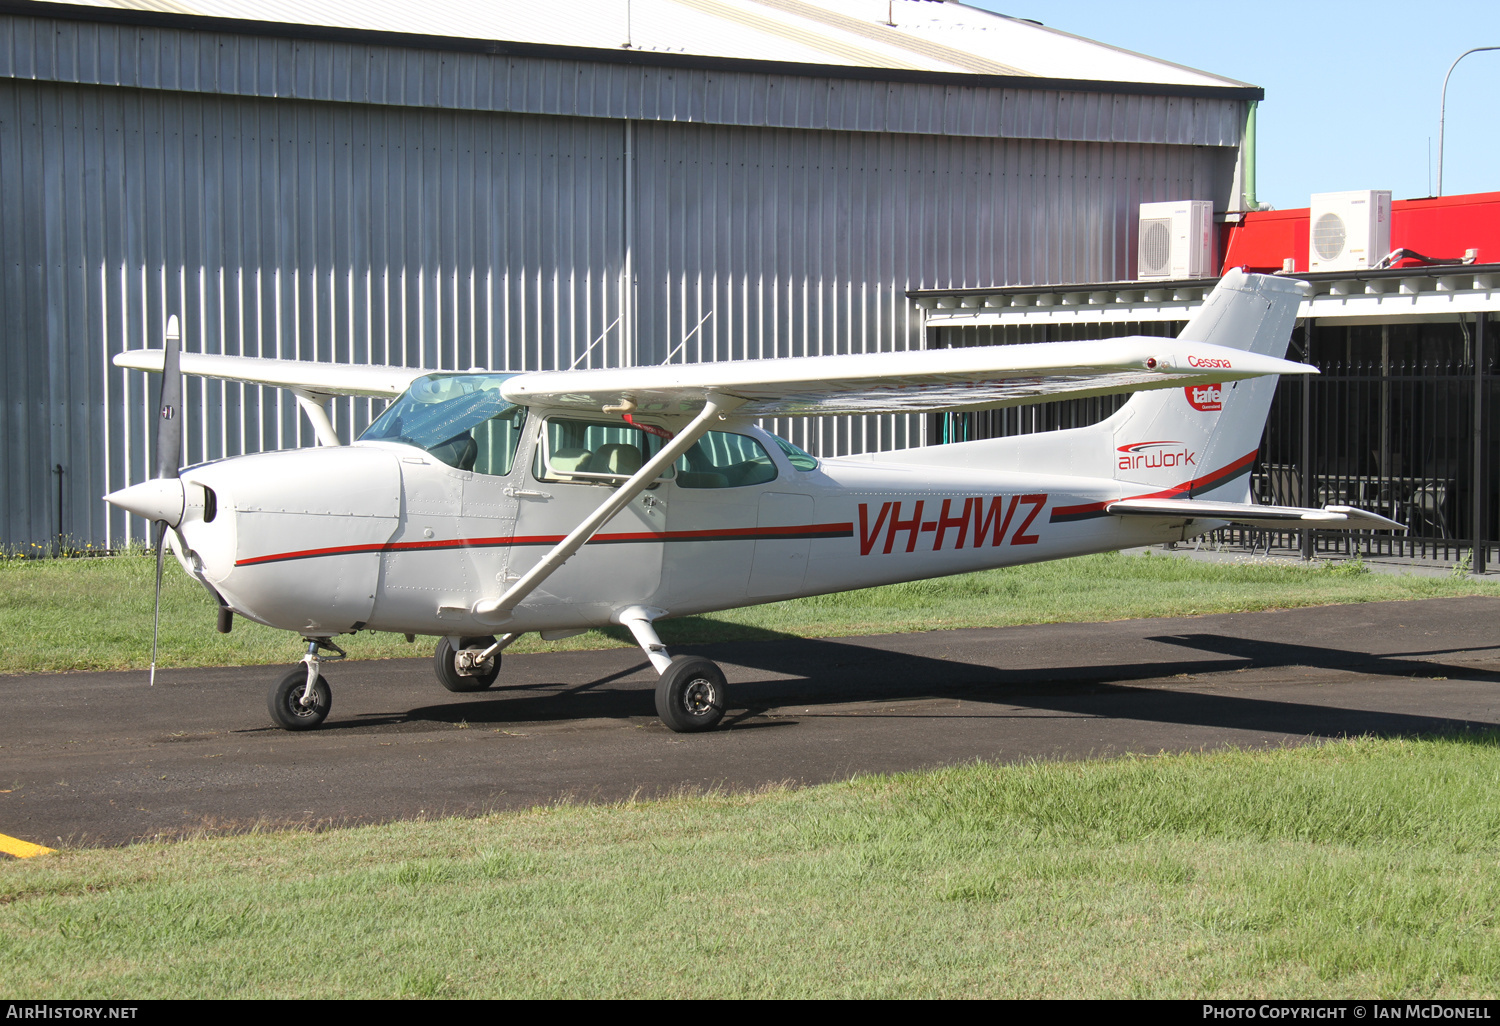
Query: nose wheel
(290, 711)
(302, 700)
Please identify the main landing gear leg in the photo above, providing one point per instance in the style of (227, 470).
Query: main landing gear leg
(691, 695)
(302, 700)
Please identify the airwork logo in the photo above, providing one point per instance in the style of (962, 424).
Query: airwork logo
(1152, 455)
(1208, 398)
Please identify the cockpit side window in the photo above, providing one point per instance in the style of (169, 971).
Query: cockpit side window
(460, 419)
(593, 452)
(497, 440)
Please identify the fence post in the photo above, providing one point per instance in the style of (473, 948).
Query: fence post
(1306, 460)
(1477, 486)
(58, 545)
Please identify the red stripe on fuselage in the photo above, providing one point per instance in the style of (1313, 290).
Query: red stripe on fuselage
(1096, 509)
(845, 530)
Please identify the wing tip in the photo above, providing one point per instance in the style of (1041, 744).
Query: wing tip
(139, 359)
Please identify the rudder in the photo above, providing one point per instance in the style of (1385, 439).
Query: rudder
(1199, 441)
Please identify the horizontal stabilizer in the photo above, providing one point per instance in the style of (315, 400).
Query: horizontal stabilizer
(1288, 518)
(916, 381)
(308, 377)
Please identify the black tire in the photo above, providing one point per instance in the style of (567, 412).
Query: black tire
(285, 702)
(443, 661)
(691, 696)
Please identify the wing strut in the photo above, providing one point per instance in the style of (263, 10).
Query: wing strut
(316, 408)
(497, 611)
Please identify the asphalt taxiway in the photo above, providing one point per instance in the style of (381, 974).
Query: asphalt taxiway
(100, 758)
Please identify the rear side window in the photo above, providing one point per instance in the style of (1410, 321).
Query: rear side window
(796, 457)
(724, 460)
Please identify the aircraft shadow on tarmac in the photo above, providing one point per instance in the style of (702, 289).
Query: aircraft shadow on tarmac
(837, 672)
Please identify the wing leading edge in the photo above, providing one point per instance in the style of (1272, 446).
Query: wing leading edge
(973, 378)
(304, 376)
(917, 381)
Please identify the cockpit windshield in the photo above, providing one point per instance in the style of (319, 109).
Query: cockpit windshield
(461, 419)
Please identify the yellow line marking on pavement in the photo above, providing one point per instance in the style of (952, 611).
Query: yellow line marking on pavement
(21, 849)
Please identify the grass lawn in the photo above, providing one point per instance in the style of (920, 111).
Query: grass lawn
(95, 614)
(1358, 868)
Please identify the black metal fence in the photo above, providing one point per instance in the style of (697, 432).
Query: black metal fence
(1401, 420)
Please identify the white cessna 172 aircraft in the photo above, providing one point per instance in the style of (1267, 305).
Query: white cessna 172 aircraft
(483, 503)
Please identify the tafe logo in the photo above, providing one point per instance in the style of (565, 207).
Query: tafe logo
(1213, 361)
(1207, 398)
(1151, 455)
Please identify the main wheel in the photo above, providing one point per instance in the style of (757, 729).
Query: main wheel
(445, 662)
(691, 695)
(285, 702)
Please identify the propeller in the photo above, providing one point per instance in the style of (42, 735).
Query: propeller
(168, 453)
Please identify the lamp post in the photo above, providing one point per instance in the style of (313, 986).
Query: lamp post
(1443, 110)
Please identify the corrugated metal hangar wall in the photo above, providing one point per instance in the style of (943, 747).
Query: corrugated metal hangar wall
(347, 199)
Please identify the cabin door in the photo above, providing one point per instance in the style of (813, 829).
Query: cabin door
(576, 463)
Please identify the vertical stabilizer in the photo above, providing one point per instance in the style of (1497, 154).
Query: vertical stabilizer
(1200, 441)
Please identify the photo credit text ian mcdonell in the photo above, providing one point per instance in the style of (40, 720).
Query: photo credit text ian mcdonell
(1348, 1011)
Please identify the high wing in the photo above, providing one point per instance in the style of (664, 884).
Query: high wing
(309, 378)
(1287, 518)
(972, 378)
(915, 381)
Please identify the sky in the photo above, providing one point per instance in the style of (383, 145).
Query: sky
(1353, 90)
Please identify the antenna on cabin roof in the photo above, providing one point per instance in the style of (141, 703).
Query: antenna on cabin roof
(678, 347)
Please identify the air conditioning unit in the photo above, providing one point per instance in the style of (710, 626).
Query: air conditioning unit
(1348, 231)
(1177, 240)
